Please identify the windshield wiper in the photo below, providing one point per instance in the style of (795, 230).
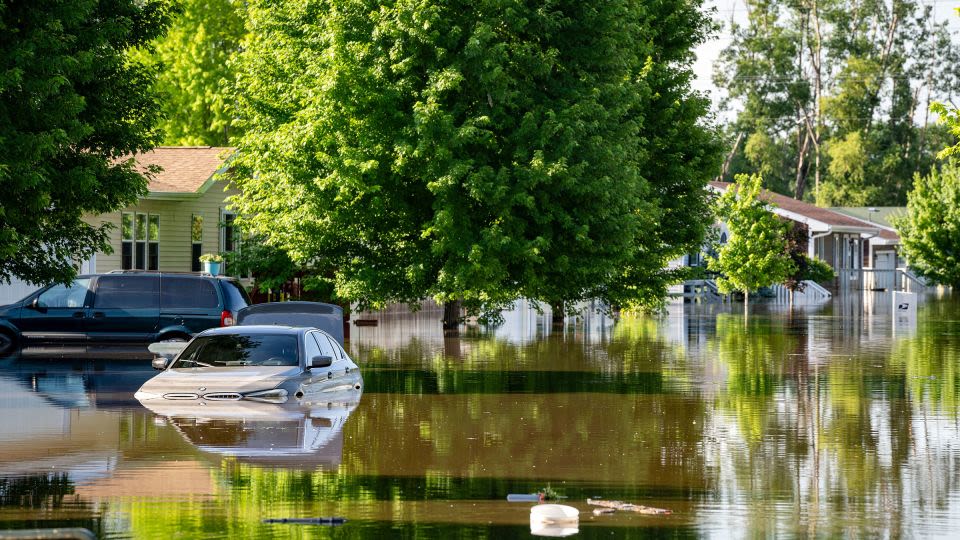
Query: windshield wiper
(198, 363)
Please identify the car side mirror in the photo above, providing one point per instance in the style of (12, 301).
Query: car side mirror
(36, 306)
(160, 363)
(321, 361)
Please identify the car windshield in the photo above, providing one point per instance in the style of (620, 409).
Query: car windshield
(230, 350)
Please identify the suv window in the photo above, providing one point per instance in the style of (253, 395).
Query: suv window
(236, 294)
(127, 292)
(63, 296)
(187, 292)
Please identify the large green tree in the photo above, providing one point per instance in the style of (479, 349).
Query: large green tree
(475, 151)
(72, 103)
(756, 255)
(930, 231)
(827, 94)
(195, 60)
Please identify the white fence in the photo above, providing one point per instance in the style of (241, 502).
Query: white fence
(812, 293)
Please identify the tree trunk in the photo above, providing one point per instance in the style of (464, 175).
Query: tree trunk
(802, 167)
(451, 316)
(557, 313)
(746, 304)
(730, 156)
(818, 96)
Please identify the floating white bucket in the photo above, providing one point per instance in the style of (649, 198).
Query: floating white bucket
(554, 520)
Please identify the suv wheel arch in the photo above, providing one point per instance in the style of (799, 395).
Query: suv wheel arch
(8, 341)
(174, 335)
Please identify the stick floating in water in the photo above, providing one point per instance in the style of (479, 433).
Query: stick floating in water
(308, 521)
(627, 507)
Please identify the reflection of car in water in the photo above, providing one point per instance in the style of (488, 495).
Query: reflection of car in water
(305, 433)
(264, 358)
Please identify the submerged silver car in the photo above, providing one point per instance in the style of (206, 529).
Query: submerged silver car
(277, 352)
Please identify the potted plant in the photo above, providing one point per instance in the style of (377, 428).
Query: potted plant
(211, 263)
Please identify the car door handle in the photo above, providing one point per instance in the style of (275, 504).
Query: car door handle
(98, 315)
(77, 314)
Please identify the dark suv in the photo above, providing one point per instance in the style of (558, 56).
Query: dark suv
(122, 307)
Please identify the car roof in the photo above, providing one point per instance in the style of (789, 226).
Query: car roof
(159, 273)
(257, 330)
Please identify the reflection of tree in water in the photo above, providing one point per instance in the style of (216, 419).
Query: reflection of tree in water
(755, 355)
(481, 420)
(35, 491)
(839, 435)
(928, 412)
(637, 344)
(929, 362)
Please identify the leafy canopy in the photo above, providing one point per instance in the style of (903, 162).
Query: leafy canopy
(756, 254)
(827, 94)
(930, 231)
(475, 151)
(72, 103)
(194, 59)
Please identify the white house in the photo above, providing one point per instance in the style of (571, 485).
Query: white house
(848, 244)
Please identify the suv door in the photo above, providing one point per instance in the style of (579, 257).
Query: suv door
(189, 302)
(125, 308)
(58, 314)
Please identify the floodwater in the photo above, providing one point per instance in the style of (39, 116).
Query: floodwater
(820, 421)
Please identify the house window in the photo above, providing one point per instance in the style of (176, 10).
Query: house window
(153, 242)
(140, 246)
(126, 241)
(196, 241)
(139, 241)
(229, 232)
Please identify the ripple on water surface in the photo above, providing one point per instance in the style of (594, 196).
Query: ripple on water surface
(816, 421)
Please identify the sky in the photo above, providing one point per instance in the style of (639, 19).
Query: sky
(727, 10)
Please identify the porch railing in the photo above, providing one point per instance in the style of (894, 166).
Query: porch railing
(881, 279)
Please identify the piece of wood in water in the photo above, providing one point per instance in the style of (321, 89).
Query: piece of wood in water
(627, 507)
(308, 521)
(601, 511)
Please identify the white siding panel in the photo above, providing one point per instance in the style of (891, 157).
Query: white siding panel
(175, 218)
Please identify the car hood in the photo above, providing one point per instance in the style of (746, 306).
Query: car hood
(211, 380)
(10, 310)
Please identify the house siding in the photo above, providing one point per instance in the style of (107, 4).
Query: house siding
(174, 236)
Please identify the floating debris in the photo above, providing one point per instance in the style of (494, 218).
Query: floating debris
(308, 521)
(524, 497)
(554, 520)
(627, 507)
(545, 494)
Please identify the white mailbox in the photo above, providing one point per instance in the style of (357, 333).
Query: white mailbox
(904, 310)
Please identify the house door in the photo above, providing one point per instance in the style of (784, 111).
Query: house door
(885, 260)
(886, 270)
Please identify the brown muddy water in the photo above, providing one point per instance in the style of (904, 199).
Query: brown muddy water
(817, 421)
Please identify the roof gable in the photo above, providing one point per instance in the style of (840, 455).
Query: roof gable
(184, 169)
